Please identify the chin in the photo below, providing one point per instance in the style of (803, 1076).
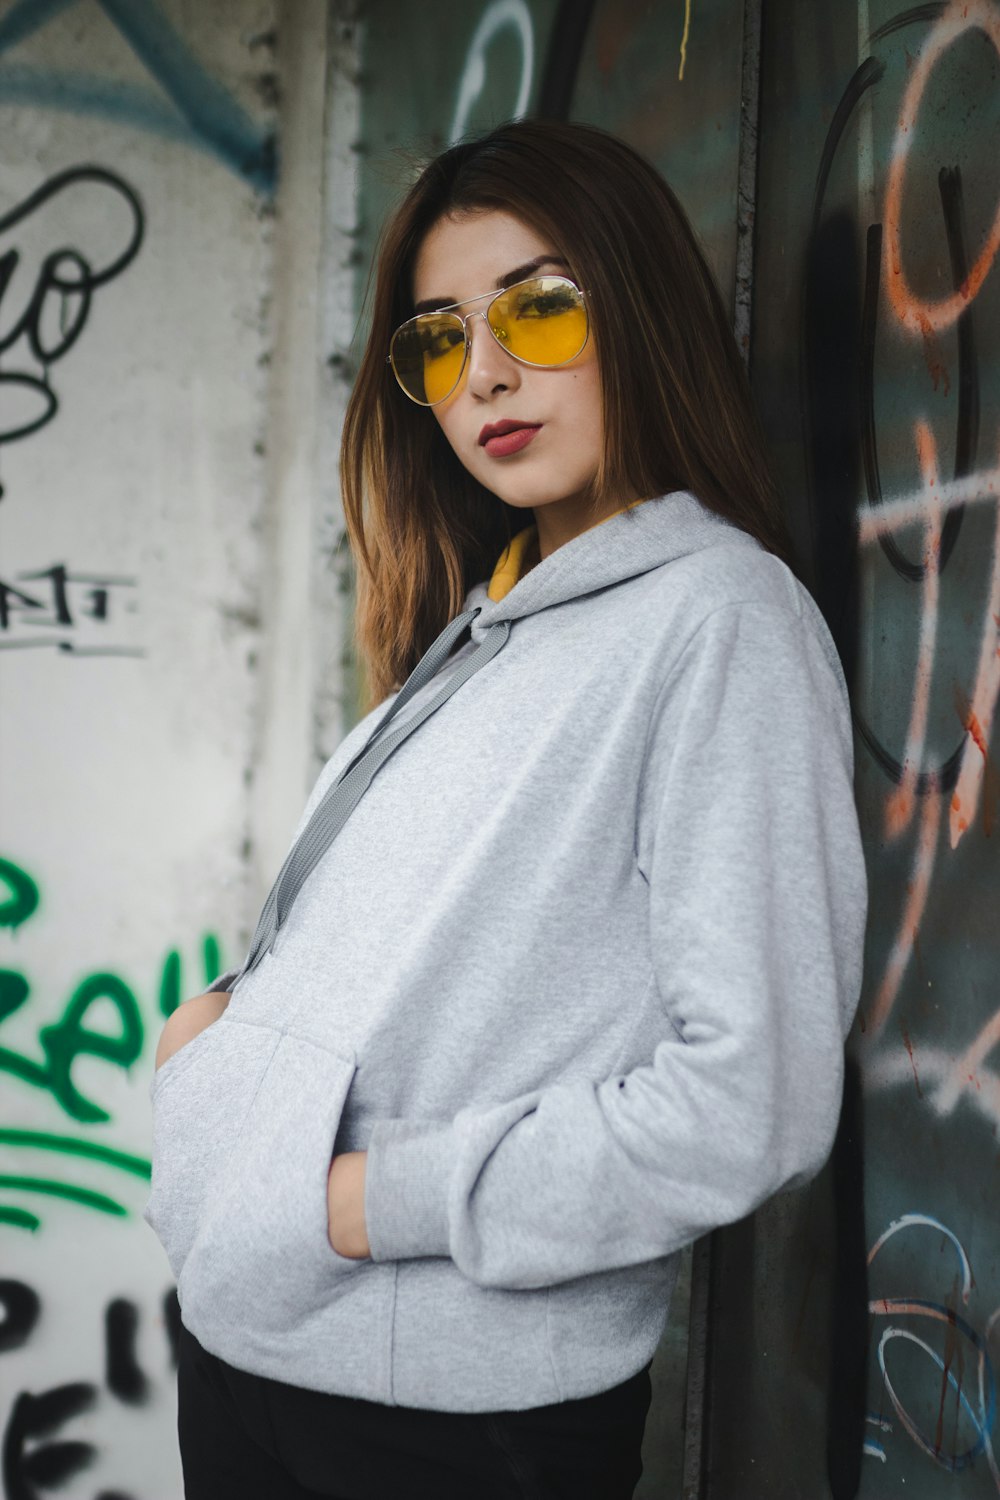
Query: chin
(520, 502)
(530, 496)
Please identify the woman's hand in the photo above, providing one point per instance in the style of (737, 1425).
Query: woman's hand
(345, 1205)
(187, 1021)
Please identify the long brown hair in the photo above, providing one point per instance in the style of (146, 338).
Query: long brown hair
(677, 407)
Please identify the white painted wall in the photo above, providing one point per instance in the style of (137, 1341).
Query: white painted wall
(148, 788)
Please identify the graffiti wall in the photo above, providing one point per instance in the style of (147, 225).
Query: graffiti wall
(168, 683)
(136, 193)
(665, 77)
(876, 331)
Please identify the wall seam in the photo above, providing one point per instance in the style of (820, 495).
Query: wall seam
(705, 1255)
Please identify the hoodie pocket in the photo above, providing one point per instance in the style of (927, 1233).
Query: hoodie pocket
(244, 1121)
(201, 1098)
(261, 1255)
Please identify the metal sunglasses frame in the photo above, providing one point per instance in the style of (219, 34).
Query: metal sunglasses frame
(484, 314)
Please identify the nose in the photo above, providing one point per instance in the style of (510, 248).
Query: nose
(491, 369)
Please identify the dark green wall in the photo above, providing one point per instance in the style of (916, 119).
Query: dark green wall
(876, 367)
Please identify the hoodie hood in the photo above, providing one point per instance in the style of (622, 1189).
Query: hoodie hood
(644, 535)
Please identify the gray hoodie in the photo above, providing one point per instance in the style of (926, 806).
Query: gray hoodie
(576, 973)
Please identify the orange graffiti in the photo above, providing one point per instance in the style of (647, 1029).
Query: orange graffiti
(972, 773)
(929, 506)
(902, 949)
(899, 808)
(913, 312)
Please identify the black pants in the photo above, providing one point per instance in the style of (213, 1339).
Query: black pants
(243, 1437)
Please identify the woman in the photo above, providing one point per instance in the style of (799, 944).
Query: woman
(557, 974)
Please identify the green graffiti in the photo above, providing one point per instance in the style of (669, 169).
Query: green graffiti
(23, 897)
(70, 1039)
(69, 1145)
(14, 991)
(64, 1190)
(170, 975)
(170, 983)
(63, 1041)
(19, 1218)
(211, 956)
(66, 1145)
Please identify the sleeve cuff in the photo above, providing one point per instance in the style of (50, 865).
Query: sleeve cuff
(406, 1188)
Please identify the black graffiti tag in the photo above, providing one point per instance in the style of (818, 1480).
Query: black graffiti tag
(44, 305)
(34, 1455)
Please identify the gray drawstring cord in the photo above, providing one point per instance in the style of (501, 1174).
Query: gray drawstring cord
(343, 795)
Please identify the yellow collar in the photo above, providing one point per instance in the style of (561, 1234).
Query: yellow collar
(521, 554)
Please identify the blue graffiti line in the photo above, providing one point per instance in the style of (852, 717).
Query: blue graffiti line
(212, 113)
(211, 120)
(984, 1422)
(28, 16)
(129, 104)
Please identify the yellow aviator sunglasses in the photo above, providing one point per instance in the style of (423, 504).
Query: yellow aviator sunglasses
(541, 321)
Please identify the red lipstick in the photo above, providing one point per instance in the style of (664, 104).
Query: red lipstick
(500, 439)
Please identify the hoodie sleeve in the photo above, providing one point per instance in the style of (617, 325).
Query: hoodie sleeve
(747, 837)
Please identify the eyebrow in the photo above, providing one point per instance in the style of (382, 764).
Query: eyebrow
(434, 304)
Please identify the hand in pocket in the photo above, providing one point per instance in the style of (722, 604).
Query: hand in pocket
(345, 1205)
(188, 1021)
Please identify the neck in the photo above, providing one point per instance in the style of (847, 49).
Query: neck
(561, 521)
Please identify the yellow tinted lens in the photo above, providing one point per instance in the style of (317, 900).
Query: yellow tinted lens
(427, 355)
(543, 321)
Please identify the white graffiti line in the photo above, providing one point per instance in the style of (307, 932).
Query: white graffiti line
(498, 16)
(917, 508)
(938, 1313)
(923, 1221)
(919, 885)
(991, 1323)
(990, 1455)
(901, 801)
(929, 508)
(931, 1449)
(965, 1068)
(917, 315)
(980, 1086)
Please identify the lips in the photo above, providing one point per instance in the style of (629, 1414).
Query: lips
(503, 438)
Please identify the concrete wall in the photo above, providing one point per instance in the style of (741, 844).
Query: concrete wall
(156, 482)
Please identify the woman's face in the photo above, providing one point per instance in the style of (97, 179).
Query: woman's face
(461, 257)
